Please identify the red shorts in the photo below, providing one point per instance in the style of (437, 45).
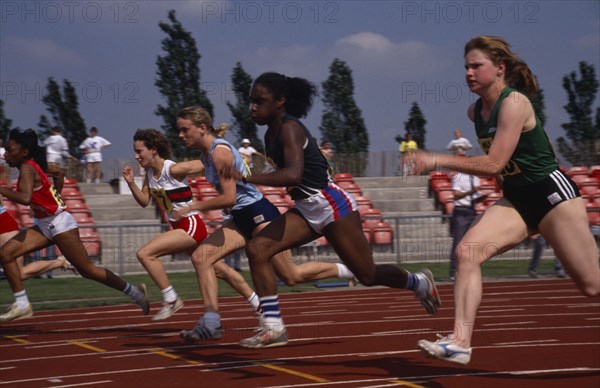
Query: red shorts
(7, 223)
(193, 226)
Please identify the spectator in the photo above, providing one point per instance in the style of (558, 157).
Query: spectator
(407, 147)
(57, 148)
(3, 165)
(459, 145)
(465, 188)
(329, 153)
(92, 148)
(539, 243)
(248, 152)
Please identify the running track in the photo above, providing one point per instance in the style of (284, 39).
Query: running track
(535, 333)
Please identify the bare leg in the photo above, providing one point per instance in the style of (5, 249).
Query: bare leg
(171, 242)
(485, 239)
(219, 244)
(567, 230)
(280, 235)
(39, 267)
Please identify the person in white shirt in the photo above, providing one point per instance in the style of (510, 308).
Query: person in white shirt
(56, 148)
(459, 145)
(92, 148)
(248, 152)
(465, 188)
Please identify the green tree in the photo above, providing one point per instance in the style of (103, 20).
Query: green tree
(178, 80)
(342, 123)
(5, 123)
(64, 112)
(539, 106)
(581, 148)
(245, 127)
(415, 125)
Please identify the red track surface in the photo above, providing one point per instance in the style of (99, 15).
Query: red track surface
(539, 333)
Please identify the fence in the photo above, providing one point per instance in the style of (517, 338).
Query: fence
(415, 239)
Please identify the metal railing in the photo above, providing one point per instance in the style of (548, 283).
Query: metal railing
(415, 239)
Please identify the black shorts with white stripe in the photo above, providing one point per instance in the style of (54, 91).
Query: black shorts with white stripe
(534, 201)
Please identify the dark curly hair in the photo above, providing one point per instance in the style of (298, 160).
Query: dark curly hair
(154, 139)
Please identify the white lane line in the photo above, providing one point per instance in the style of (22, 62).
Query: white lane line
(526, 342)
(430, 377)
(81, 384)
(509, 323)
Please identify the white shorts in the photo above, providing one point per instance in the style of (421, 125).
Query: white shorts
(93, 157)
(331, 204)
(57, 224)
(55, 158)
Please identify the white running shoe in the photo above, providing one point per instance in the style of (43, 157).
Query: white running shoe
(445, 349)
(430, 299)
(266, 339)
(168, 309)
(15, 313)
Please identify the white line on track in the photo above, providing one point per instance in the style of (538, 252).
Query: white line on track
(508, 323)
(429, 377)
(526, 342)
(82, 384)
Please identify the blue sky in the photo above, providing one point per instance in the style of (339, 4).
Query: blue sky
(399, 51)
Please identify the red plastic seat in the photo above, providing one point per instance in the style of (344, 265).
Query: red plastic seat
(343, 177)
(383, 234)
(371, 217)
(578, 170)
(593, 212)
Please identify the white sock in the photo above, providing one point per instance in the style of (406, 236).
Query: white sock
(254, 302)
(344, 272)
(21, 299)
(169, 294)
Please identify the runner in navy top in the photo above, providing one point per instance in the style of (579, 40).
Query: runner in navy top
(321, 207)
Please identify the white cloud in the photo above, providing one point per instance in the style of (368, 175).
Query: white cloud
(588, 42)
(44, 50)
(375, 53)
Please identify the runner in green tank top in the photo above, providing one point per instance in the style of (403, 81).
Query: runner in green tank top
(538, 196)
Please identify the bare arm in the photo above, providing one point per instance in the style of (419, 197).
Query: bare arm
(141, 196)
(290, 174)
(223, 161)
(182, 169)
(58, 176)
(24, 191)
(515, 115)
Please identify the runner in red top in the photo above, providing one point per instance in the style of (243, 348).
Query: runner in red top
(54, 226)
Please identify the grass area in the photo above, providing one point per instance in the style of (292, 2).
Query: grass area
(71, 292)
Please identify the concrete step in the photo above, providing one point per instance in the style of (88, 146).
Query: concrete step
(400, 205)
(392, 182)
(376, 194)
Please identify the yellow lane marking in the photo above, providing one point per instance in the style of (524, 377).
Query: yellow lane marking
(86, 346)
(293, 372)
(17, 339)
(407, 384)
(174, 357)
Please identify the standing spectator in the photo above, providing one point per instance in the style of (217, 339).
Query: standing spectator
(92, 148)
(459, 145)
(407, 147)
(234, 260)
(539, 243)
(57, 148)
(329, 153)
(465, 188)
(248, 152)
(3, 165)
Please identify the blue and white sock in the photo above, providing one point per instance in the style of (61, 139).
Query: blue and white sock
(133, 292)
(271, 312)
